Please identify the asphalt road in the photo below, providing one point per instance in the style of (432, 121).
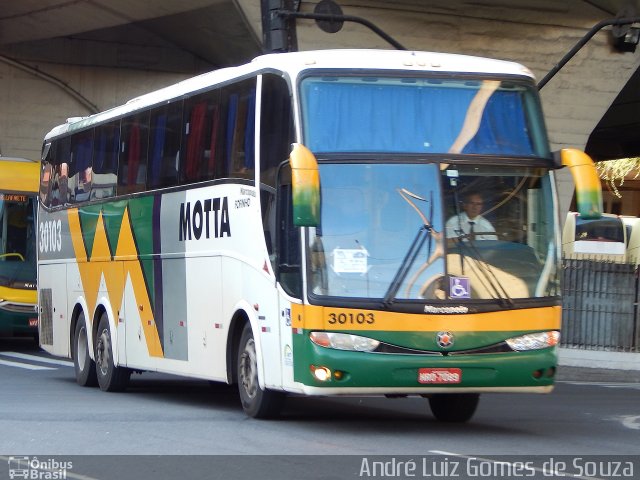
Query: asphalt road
(44, 413)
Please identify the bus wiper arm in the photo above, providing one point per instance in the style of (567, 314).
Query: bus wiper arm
(418, 241)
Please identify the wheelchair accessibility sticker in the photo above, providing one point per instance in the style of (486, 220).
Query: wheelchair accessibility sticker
(459, 287)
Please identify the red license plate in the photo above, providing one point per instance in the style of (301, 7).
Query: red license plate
(439, 376)
(33, 322)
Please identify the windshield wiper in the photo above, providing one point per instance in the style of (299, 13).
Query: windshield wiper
(424, 232)
(418, 241)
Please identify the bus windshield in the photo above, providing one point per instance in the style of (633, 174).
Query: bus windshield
(422, 115)
(396, 232)
(17, 241)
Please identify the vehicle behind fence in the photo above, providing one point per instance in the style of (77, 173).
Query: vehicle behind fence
(600, 305)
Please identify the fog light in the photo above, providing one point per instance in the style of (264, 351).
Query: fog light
(322, 374)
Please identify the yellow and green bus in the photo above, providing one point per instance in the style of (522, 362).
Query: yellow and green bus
(19, 186)
(299, 225)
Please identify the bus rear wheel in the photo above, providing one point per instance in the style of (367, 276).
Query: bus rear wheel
(256, 402)
(84, 366)
(454, 407)
(110, 377)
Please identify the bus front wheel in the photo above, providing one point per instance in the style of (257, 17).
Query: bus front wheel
(256, 402)
(454, 407)
(110, 377)
(84, 366)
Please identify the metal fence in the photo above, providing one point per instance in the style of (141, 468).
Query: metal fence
(600, 306)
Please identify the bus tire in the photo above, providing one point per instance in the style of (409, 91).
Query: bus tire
(454, 407)
(110, 377)
(84, 366)
(256, 402)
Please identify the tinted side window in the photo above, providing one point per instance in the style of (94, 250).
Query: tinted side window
(238, 103)
(60, 155)
(164, 145)
(80, 174)
(46, 175)
(276, 136)
(105, 160)
(202, 142)
(132, 171)
(276, 127)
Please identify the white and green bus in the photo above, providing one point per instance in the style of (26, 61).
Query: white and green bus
(281, 226)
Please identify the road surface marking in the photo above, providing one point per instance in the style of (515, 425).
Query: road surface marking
(35, 358)
(24, 365)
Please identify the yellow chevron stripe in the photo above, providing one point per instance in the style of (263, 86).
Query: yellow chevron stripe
(133, 268)
(100, 265)
(312, 317)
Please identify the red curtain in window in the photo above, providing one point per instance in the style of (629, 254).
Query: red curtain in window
(195, 143)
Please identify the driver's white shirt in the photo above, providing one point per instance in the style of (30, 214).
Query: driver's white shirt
(461, 222)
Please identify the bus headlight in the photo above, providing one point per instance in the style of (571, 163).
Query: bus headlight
(344, 341)
(534, 341)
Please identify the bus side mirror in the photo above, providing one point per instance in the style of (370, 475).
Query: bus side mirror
(305, 182)
(585, 177)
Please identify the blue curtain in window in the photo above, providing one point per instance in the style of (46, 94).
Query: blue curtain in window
(349, 117)
(503, 130)
(158, 147)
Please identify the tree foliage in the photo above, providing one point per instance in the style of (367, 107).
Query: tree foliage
(615, 172)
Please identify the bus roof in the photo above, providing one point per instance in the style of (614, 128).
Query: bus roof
(19, 175)
(296, 62)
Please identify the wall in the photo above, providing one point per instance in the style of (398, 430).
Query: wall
(31, 106)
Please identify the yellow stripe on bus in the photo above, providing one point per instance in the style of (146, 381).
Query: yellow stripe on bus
(100, 265)
(127, 248)
(311, 317)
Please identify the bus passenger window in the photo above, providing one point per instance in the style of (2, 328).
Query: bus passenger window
(80, 167)
(239, 103)
(276, 127)
(201, 140)
(164, 145)
(105, 160)
(132, 170)
(60, 155)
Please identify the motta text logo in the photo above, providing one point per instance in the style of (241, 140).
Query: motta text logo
(38, 469)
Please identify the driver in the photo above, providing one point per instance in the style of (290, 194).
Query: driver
(470, 222)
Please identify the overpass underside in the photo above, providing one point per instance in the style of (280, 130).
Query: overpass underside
(111, 50)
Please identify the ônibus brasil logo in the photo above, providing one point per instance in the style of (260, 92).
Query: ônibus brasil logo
(33, 468)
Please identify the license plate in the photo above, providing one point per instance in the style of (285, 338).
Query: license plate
(439, 376)
(33, 322)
